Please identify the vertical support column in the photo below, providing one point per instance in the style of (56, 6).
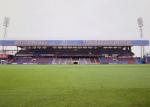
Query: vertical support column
(142, 47)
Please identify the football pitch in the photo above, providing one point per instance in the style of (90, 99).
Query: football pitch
(74, 85)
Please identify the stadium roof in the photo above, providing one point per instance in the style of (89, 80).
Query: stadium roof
(74, 42)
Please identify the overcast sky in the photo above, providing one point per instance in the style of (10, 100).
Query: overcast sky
(75, 19)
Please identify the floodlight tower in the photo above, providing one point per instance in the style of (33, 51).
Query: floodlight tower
(140, 25)
(5, 24)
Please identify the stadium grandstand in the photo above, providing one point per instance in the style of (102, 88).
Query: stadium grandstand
(72, 52)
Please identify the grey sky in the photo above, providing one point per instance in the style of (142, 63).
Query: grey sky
(75, 19)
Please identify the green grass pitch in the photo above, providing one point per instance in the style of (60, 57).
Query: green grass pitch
(74, 85)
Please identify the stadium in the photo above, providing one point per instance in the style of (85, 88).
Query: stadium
(71, 73)
(73, 52)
